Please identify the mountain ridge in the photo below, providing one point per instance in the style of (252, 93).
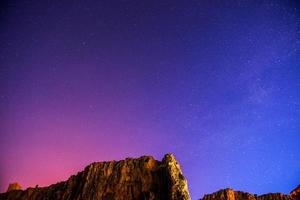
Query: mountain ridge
(142, 178)
(133, 178)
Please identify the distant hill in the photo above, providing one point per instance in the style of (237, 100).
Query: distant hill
(229, 194)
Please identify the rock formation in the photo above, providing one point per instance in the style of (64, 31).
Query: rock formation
(14, 186)
(229, 194)
(143, 178)
(296, 193)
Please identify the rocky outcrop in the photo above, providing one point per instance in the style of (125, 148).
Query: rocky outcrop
(296, 193)
(143, 178)
(177, 184)
(229, 194)
(14, 186)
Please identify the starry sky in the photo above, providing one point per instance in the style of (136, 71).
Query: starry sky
(214, 82)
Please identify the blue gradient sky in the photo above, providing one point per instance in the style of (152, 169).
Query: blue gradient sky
(214, 82)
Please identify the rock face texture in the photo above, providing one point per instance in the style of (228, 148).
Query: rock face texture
(296, 193)
(229, 194)
(143, 178)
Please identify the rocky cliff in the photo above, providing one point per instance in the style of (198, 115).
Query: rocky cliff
(143, 178)
(296, 193)
(229, 194)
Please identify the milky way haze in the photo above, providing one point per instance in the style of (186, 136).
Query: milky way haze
(214, 82)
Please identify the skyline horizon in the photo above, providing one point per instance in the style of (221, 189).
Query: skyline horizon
(214, 82)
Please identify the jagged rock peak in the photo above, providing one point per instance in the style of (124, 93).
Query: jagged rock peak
(230, 194)
(178, 188)
(142, 178)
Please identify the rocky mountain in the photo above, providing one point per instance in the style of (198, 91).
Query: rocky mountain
(143, 178)
(229, 194)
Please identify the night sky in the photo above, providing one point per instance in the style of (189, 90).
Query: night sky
(217, 83)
